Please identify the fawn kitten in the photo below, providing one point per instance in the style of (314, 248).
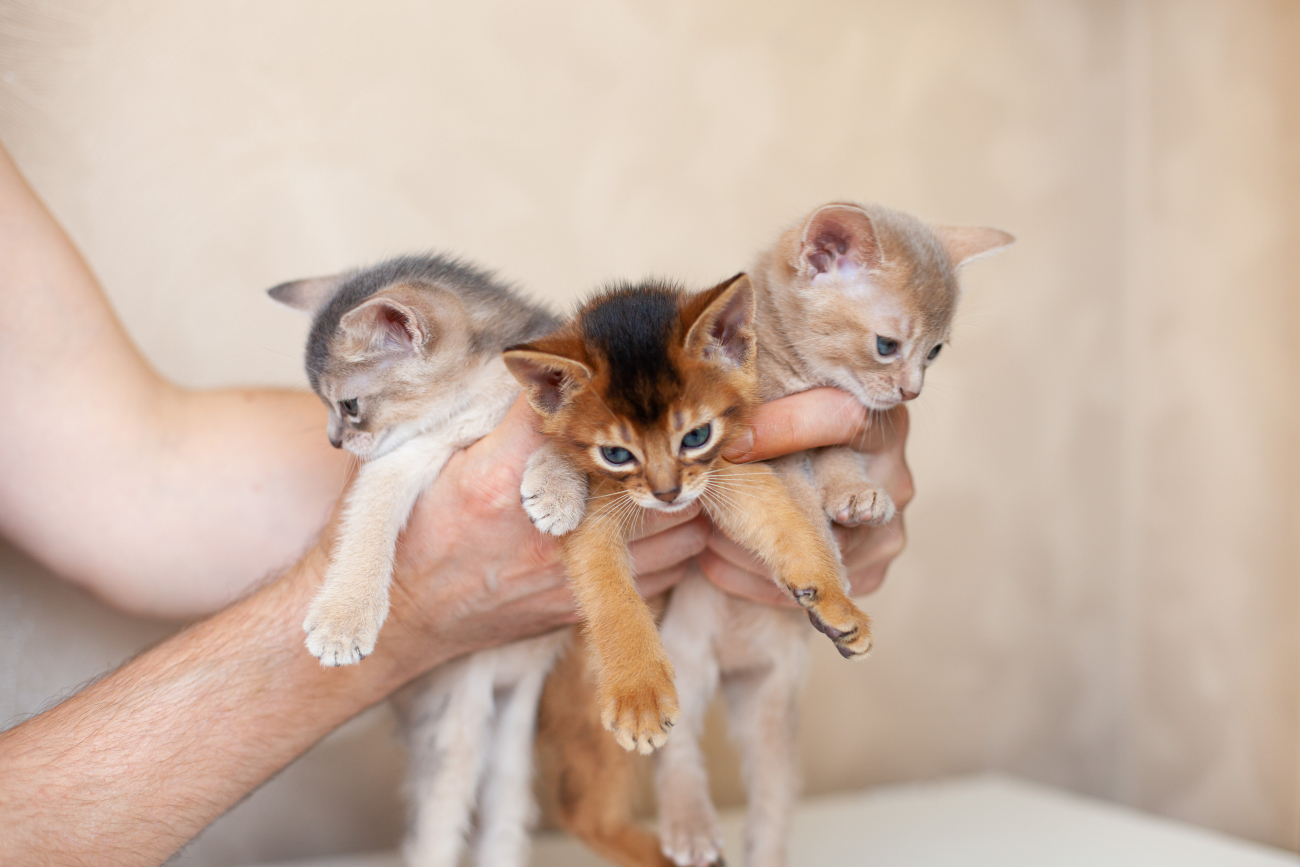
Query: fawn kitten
(642, 391)
(858, 297)
(407, 357)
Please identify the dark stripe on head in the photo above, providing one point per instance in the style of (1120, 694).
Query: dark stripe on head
(633, 328)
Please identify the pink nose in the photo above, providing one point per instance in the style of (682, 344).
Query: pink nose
(908, 395)
(669, 495)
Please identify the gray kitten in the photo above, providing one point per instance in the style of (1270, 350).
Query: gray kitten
(407, 357)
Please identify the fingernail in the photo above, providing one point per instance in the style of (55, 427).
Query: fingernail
(740, 446)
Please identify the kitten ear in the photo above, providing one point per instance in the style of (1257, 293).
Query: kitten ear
(968, 243)
(386, 325)
(548, 378)
(308, 295)
(724, 324)
(838, 239)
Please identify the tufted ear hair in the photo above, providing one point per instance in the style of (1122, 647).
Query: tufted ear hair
(965, 244)
(308, 295)
(838, 240)
(723, 322)
(383, 324)
(548, 371)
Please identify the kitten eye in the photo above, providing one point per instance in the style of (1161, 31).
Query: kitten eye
(698, 437)
(349, 407)
(934, 353)
(616, 455)
(886, 346)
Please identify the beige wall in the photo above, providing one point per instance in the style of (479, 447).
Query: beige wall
(1101, 585)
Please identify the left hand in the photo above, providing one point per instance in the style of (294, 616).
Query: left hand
(822, 417)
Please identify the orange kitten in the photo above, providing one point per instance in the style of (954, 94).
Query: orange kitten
(858, 297)
(641, 392)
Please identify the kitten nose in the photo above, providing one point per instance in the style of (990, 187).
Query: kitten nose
(336, 440)
(669, 495)
(908, 395)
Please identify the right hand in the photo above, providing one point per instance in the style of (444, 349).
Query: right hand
(472, 570)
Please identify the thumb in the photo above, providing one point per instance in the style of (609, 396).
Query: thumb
(511, 443)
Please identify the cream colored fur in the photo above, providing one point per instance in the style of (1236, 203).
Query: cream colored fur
(468, 724)
(344, 619)
(407, 385)
(757, 652)
(838, 279)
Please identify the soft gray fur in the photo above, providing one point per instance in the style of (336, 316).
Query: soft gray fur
(407, 357)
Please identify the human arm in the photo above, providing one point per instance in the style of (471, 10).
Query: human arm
(162, 501)
(127, 770)
(822, 417)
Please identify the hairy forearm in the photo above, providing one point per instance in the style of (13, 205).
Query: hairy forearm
(130, 768)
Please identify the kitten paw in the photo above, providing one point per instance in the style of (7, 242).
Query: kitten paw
(641, 711)
(691, 840)
(553, 493)
(341, 633)
(870, 505)
(836, 617)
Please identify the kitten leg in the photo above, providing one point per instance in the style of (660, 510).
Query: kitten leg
(344, 618)
(780, 520)
(635, 684)
(763, 709)
(506, 808)
(688, 823)
(448, 747)
(589, 777)
(847, 495)
(554, 492)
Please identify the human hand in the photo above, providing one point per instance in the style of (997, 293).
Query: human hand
(822, 417)
(473, 572)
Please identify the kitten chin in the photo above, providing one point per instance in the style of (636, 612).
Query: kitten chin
(642, 391)
(858, 297)
(861, 297)
(406, 355)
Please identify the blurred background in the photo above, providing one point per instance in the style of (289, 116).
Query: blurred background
(1100, 589)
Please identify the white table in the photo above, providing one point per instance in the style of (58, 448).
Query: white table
(974, 821)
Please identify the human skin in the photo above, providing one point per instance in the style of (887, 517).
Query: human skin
(168, 502)
(129, 769)
(822, 417)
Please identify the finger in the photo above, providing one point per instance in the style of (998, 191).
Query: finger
(514, 440)
(821, 417)
(488, 473)
(868, 552)
(652, 584)
(741, 582)
(670, 547)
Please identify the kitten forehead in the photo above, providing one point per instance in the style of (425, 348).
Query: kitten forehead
(633, 328)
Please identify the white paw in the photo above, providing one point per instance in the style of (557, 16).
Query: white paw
(870, 505)
(342, 633)
(691, 840)
(554, 495)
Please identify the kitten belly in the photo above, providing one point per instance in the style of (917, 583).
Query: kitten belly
(751, 634)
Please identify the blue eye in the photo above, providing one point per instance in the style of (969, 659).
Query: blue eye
(698, 437)
(349, 407)
(934, 353)
(616, 455)
(886, 346)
